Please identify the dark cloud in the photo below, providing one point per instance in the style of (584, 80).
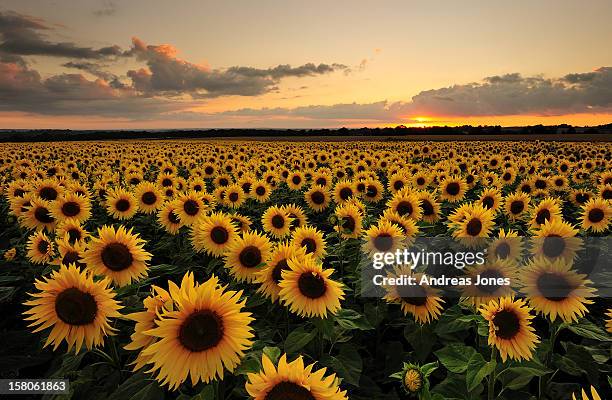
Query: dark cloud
(171, 75)
(23, 35)
(108, 8)
(97, 71)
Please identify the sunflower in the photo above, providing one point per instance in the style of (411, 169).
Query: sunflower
(507, 246)
(247, 255)
(317, 198)
(596, 215)
(117, 254)
(515, 205)
(189, 207)
(476, 226)
(40, 248)
(168, 217)
(121, 204)
(276, 221)
(261, 191)
(310, 239)
(421, 180)
(71, 230)
(580, 197)
(510, 328)
(407, 225)
(350, 221)
(292, 381)
(556, 239)
(214, 234)
(71, 205)
(548, 209)
(149, 197)
(343, 191)
(397, 182)
(77, 307)
(243, 223)
(420, 300)
(296, 180)
(584, 396)
(609, 320)
(478, 294)
(38, 215)
(206, 333)
(69, 253)
(234, 196)
(453, 189)
(429, 206)
(306, 288)
(491, 199)
(48, 189)
(145, 320)
(384, 237)
(374, 191)
(406, 204)
(270, 275)
(554, 289)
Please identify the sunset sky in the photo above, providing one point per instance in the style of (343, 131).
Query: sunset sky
(287, 64)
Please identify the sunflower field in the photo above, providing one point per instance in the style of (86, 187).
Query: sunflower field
(228, 269)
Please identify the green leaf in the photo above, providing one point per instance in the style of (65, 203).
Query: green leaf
(297, 339)
(150, 392)
(477, 370)
(421, 338)
(455, 357)
(348, 364)
(130, 387)
(208, 393)
(351, 319)
(273, 353)
(453, 320)
(589, 330)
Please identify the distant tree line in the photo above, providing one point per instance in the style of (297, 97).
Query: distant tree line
(50, 135)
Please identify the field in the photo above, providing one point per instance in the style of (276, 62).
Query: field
(234, 269)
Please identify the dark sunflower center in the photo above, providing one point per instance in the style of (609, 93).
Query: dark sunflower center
(296, 180)
(71, 257)
(348, 223)
(517, 207)
(310, 244)
(383, 242)
(311, 285)
(43, 215)
(420, 181)
(73, 235)
(427, 208)
(554, 287)
(289, 391)
(117, 256)
(43, 247)
(201, 331)
(453, 188)
(149, 198)
(507, 324)
(474, 227)
(191, 207)
(488, 275)
(260, 190)
(166, 182)
(122, 205)
(223, 182)
(75, 307)
(278, 221)
(596, 215)
(19, 192)
(559, 182)
(397, 185)
(553, 246)
(540, 184)
(277, 272)
(246, 187)
(607, 194)
(321, 181)
(488, 202)
(372, 191)
(412, 294)
(174, 218)
(219, 235)
(250, 257)
(318, 198)
(582, 198)
(502, 250)
(507, 176)
(404, 208)
(233, 197)
(542, 216)
(48, 193)
(345, 193)
(209, 170)
(71, 209)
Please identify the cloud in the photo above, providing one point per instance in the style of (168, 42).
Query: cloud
(23, 35)
(169, 74)
(109, 8)
(96, 70)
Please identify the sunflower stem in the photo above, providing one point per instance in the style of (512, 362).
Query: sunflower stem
(491, 389)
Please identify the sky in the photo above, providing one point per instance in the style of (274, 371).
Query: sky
(157, 64)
